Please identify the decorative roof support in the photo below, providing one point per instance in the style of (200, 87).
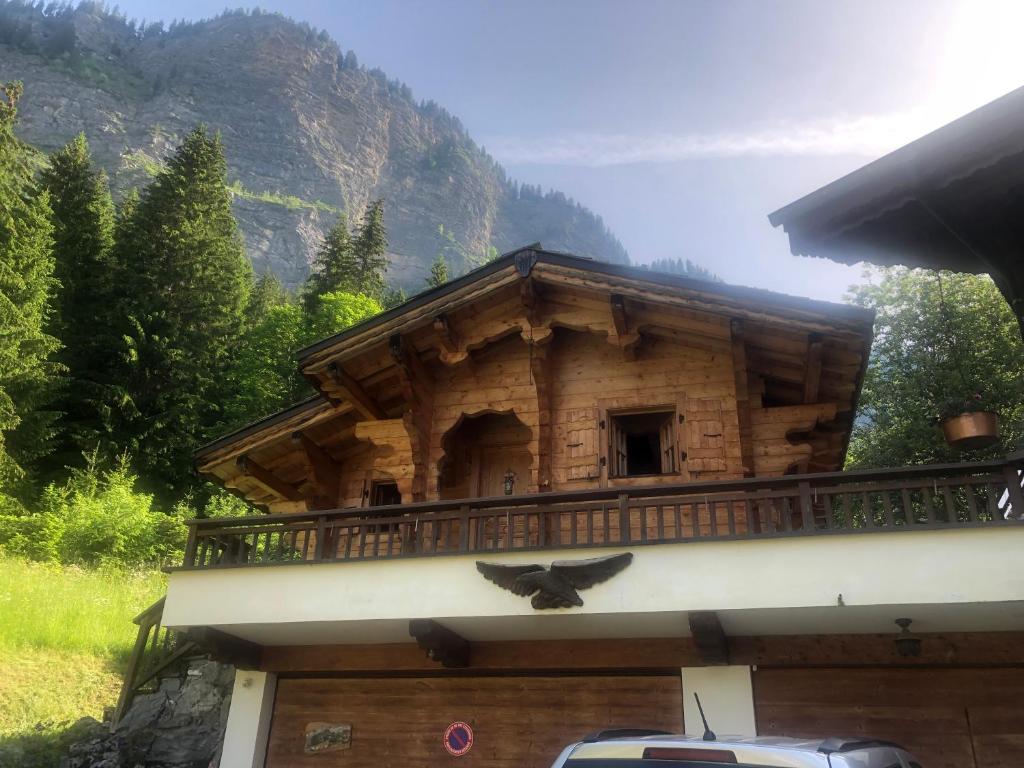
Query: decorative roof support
(269, 480)
(708, 635)
(354, 391)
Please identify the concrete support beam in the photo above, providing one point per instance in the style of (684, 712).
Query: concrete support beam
(248, 727)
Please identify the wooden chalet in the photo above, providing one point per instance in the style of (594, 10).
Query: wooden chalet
(674, 447)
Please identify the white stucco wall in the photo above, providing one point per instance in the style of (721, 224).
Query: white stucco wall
(955, 567)
(727, 695)
(248, 726)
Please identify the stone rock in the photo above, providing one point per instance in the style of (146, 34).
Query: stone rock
(305, 135)
(180, 725)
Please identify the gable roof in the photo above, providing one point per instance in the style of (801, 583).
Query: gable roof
(521, 263)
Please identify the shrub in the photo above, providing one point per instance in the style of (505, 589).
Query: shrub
(95, 518)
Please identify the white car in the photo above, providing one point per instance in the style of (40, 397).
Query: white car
(648, 749)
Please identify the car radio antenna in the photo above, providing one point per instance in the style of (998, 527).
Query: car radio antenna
(709, 735)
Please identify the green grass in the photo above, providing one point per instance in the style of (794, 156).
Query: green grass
(65, 634)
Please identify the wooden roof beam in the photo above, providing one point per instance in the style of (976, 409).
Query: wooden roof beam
(268, 479)
(812, 376)
(355, 393)
(709, 637)
(322, 469)
(626, 340)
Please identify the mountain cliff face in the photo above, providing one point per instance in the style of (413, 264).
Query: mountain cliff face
(308, 133)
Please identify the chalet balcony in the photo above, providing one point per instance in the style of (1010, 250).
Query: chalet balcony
(923, 498)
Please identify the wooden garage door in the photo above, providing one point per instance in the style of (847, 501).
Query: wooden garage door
(950, 718)
(519, 722)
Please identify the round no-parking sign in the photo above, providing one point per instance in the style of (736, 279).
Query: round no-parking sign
(458, 738)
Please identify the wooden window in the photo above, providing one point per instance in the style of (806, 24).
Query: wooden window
(384, 493)
(641, 442)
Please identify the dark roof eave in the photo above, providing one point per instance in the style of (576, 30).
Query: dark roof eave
(257, 426)
(980, 138)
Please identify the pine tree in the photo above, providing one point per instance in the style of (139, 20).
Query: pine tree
(190, 282)
(27, 376)
(86, 319)
(438, 272)
(370, 247)
(335, 267)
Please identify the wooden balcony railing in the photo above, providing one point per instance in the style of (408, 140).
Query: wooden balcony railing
(156, 650)
(909, 499)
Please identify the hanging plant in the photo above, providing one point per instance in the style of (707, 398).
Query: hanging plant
(969, 423)
(966, 421)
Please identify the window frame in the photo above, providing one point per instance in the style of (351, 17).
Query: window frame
(610, 454)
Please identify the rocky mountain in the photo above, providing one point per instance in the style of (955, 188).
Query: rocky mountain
(307, 131)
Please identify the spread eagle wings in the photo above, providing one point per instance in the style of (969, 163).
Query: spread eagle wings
(507, 576)
(555, 587)
(583, 574)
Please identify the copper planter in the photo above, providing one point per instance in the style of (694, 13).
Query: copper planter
(972, 430)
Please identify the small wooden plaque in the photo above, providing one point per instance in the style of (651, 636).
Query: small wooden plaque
(327, 737)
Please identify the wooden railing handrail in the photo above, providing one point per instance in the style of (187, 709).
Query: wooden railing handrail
(938, 496)
(612, 493)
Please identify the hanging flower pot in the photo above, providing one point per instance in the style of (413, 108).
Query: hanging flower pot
(967, 424)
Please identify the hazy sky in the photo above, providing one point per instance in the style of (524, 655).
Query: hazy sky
(683, 123)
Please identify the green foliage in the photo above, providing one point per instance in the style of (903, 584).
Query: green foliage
(86, 319)
(932, 347)
(438, 272)
(263, 374)
(27, 375)
(187, 294)
(96, 518)
(335, 267)
(370, 245)
(338, 311)
(291, 202)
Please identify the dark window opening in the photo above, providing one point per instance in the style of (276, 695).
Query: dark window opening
(642, 443)
(383, 494)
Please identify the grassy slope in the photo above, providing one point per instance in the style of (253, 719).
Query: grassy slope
(65, 634)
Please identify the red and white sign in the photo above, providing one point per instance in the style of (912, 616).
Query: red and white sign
(458, 738)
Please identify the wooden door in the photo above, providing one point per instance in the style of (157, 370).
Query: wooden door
(518, 722)
(949, 718)
(495, 462)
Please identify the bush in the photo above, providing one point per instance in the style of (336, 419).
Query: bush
(95, 518)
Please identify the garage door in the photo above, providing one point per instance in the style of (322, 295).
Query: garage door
(518, 722)
(950, 718)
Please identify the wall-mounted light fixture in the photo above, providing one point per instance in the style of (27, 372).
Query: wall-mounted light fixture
(510, 482)
(906, 643)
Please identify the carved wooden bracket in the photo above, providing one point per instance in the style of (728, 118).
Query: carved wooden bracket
(709, 637)
(441, 644)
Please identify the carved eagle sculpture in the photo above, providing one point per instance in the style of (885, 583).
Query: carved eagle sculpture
(555, 587)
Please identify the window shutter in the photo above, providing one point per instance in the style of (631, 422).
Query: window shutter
(668, 446)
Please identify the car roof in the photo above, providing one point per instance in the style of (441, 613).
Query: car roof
(789, 751)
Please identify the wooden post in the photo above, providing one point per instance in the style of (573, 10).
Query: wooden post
(624, 532)
(464, 528)
(190, 547)
(321, 533)
(806, 506)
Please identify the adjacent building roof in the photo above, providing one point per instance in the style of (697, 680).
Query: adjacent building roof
(953, 200)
